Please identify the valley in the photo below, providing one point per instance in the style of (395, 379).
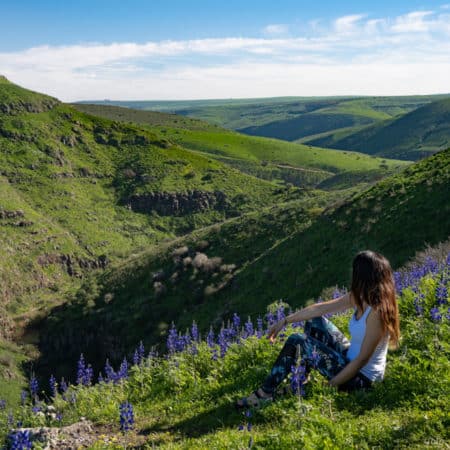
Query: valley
(118, 224)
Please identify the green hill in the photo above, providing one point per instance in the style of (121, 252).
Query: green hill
(415, 135)
(302, 252)
(185, 400)
(78, 192)
(269, 159)
(241, 113)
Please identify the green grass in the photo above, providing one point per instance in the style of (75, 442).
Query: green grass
(71, 175)
(15, 99)
(412, 136)
(241, 113)
(286, 253)
(269, 159)
(186, 401)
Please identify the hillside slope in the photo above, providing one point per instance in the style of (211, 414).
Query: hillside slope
(415, 135)
(269, 159)
(79, 191)
(238, 114)
(184, 400)
(398, 216)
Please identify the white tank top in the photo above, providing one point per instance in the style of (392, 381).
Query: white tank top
(374, 369)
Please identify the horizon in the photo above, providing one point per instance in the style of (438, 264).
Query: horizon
(178, 51)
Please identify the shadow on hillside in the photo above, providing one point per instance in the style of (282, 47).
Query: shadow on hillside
(222, 416)
(387, 395)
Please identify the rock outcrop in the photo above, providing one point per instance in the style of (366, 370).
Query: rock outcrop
(73, 264)
(178, 203)
(77, 435)
(20, 107)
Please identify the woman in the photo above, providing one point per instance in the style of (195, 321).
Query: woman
(347, 365)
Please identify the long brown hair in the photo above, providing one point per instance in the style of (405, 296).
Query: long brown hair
(373, 283)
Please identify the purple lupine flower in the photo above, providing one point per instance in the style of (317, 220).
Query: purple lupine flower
(126, 416)
(259, 327)
(270, 318)
(20, 440)
(141, 351)
(172, 339)
(336, 293)
(236, 322)
(398, 282)
(435, 314)
(210, 338)
(214, 355)
(447, 316)
(73, 398)
(36, 408)
(109, 372)
(280, 313)
(184, 341)
(441, 294)
(418, 304)
(194, 332)
(123, 370)
(241, 427)
(59, 416)
(298, 377)
(136, 358)
(63, 386)
(88, 375)
(23, 397)
(193, 350)
(223, 343)
(10, 419)
(2, 404)
(34, 387)
(81, 367)
(52, 383)
(249, 331)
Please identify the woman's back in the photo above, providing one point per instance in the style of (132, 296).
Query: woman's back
(375, 367)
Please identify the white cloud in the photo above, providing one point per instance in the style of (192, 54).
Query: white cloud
(276, 29)
(413, 22)
(347, 24)
(354, 54)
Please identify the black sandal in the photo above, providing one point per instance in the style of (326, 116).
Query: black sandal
(254, 400)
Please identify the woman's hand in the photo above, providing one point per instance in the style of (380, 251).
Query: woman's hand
(275, 329)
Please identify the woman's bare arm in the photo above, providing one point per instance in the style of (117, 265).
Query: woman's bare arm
(373, 335)
(316, 310)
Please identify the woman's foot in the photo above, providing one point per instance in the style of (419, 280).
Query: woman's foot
(255, 399)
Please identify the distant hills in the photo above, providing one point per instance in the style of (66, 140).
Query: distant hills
(270, 159)
(412, 136)
(333, 122)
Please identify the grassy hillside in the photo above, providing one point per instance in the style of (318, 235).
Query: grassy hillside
(269, 159)
(290, 255)
(79, 191)
(415, 135)
(185, 401)
(15, 99)
(241, 113)
(349, 123)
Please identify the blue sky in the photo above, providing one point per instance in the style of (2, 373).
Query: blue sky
(215, 49)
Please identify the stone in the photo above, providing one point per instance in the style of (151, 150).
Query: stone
(177, 203)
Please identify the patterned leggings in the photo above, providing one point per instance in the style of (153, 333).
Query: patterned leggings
(322, 347)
